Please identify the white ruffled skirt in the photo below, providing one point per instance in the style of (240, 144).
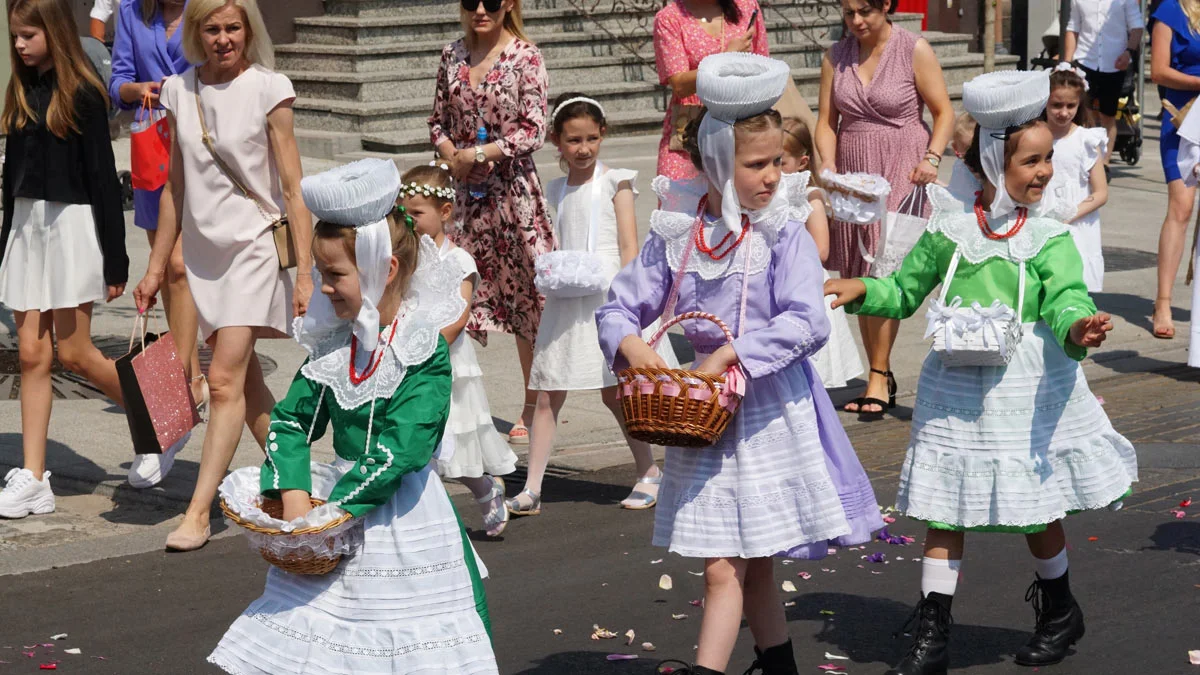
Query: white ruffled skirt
(404, 604)
(52, 259)
(1016, 446)
(471, 445)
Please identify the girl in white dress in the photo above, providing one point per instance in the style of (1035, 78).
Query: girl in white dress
(472, 451)
(837, 362)
(1078, 175)
(567, 354)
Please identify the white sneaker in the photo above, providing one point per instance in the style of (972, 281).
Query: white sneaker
(149, 470)
(23, 494)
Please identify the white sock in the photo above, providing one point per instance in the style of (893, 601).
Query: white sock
(1052, 568)
(939, 576)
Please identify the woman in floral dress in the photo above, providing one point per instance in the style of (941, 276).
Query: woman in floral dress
(686, 31)
(495, 78)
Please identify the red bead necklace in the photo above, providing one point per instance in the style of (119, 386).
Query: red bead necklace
(981, 218)
(373, 362)
(711, 251)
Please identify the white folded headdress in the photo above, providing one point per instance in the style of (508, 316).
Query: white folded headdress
(998, 101)
(358, 195)
(733, 86)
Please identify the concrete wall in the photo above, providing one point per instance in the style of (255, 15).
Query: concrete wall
(277, 13)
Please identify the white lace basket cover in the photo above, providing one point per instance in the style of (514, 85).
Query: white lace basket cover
(974, 335)
(859, 198)
(573, 273)
(241, 493)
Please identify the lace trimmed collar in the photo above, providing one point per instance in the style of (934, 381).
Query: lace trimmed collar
(433, 301)
(954, 217)
(676, 215)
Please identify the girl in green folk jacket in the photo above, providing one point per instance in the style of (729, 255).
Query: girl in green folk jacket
(1006, 435)
(409, 599)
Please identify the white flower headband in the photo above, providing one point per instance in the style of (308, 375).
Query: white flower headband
(1078, 73)
(578, 99)
(415, 189)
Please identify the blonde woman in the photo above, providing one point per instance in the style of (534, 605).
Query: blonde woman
(232, 266)
(494, 78)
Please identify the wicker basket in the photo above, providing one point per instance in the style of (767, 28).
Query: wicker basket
(676, 417)
(295, 563)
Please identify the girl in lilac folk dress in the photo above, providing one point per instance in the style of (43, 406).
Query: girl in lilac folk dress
(783, 481)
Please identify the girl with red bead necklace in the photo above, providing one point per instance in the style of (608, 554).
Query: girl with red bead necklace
(783, 480)
(1017, 445)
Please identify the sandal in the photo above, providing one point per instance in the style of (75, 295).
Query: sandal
(640, 501)
(205, 398)
(884, 406)
(516, 508)
(496, 517)
(519, 434)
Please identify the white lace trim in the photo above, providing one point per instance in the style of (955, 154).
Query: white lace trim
(269, 621)
(676, 215)
(434, 301)
(956, 220)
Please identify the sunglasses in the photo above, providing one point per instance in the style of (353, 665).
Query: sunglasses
(489, 6)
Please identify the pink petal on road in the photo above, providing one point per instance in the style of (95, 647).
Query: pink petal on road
(621, 657)
(1194, 657)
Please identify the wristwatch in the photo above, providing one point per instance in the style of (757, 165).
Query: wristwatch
(480, 155)
(934, 159)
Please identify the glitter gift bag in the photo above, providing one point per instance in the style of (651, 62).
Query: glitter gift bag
(158, 401)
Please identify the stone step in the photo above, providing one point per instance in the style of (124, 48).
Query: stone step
(424, 55)
(355, 116)
(530, 8)
(393, 85)
(376, 30)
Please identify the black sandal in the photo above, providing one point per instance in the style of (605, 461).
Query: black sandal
(884, 406)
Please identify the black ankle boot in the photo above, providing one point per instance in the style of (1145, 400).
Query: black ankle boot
(675, 667)
(1059, 622)
(777, 660)
(930, 652)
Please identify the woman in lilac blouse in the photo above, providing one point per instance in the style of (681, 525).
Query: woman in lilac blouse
(148, 49)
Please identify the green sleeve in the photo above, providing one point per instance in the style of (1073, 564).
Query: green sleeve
(407, 430)
(900, 295)
(287, 466)
(1064, 298)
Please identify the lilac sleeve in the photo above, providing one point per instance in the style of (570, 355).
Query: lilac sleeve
(635, 299)
(798, 327)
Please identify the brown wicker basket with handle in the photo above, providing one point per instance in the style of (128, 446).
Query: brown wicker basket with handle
(296, 563)
(681, 408)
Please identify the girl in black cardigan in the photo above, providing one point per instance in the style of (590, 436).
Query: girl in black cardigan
(63, 236)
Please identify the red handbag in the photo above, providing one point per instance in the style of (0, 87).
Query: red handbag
(150, 147)
(158, 398)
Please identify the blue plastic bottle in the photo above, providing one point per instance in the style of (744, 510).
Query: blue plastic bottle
(479, 190)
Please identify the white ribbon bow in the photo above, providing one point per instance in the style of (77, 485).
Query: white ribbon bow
(992, 321)
(945, 317)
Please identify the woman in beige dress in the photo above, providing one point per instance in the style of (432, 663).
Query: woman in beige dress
(241, 294)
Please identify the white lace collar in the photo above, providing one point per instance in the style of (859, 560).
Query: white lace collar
(433, 301)
(954, 217)
(676, 215)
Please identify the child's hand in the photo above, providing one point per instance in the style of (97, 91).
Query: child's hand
(639, 354)
(1091, 331)
(846, 290)
(719, 361)
(295, 504)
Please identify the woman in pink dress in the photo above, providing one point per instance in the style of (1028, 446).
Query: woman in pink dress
(686, 31)
(495, 78)
(875, 84)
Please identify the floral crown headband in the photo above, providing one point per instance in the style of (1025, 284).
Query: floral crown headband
(1064, 66)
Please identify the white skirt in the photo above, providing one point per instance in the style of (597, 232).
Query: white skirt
(1086, 235)
(1011, 446)
(53, 258)
(837, 362)
(471, 445)
(764, 488)
(403, 604)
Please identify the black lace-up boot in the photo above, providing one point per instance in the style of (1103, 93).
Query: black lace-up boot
(930, 624)
(777, 660)
(1059, 622)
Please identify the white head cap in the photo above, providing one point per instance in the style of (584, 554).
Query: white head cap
(998, 101)
(733, 86)
(358, 195)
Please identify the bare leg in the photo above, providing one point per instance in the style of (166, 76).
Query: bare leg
(1110, 125)
(864, 329)
(479, 486)
(541, 439)
(724, 579)
(73, 328)
(879, 355)
(183, 319)
(643, 456)
(763, 606)
(525, 355)
(1048, 543)
(232, 351)
(1171, 244)
(259, 401)
(35, 347)
(944, 544)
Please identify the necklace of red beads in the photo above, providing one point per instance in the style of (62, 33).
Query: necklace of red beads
(986, 228)
(716, 252)
(373, 362)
